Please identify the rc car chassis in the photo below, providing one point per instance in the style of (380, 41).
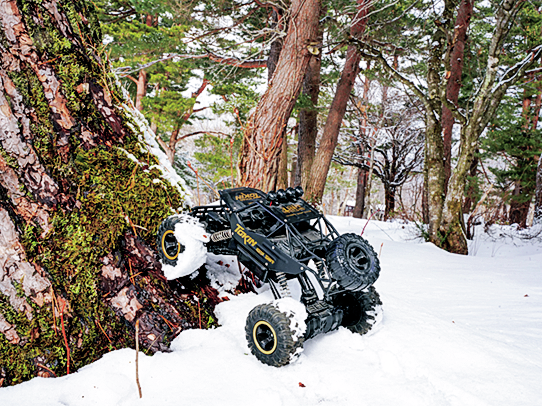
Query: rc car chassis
(279, 237)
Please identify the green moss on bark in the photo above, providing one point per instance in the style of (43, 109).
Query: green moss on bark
(109, 193)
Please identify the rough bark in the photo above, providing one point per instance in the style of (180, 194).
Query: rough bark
(261, 151)
(453, 85)
(81, 197)
(322, 161)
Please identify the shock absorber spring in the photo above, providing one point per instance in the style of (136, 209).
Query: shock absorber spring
(283, 285)
(221, 235)
(321, 269)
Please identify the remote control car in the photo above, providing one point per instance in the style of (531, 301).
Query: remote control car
(280, 237)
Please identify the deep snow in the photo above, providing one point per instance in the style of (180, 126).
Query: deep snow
(457, 330)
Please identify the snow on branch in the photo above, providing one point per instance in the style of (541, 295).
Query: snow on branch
(516, 71)
(256, 63)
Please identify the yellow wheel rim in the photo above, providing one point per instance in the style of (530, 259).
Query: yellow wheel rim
(171, 258)
(266, 324)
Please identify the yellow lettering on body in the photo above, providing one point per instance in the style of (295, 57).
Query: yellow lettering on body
(247, 239)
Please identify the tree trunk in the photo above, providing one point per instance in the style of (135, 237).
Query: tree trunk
(450, 233)
(261, 150)
(519, 209)
(322, 161)
(308, 122)
(538, 195)
(80, 201)
(454, 81)
(359, 207)
(469, 198)
(363, 174)
(389, 196)
(141, 89)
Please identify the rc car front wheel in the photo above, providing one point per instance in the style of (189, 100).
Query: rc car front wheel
(269, 336)
(361, 310)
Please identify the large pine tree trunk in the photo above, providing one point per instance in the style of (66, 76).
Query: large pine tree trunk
(322, 161)
(81, 196)
(262, 147)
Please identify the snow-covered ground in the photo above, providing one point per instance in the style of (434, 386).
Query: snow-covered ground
(457, 330)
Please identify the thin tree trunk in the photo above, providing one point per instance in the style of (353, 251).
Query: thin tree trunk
(322, 161)
(369, 184)
(79, 206)
(363, 174)
(141, 89)
(359, 207)
(261, 150)
(389, 196)
(519, 210)
(434, 145)
(538, 195)
(453, 85)
(469, 198)
(308, 122)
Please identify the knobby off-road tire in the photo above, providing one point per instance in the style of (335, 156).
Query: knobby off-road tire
(269, 336)
(361, 310)
(169, 248)
(352, 262)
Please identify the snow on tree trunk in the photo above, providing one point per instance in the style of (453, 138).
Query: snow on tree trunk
(82, 193)
(262, 148)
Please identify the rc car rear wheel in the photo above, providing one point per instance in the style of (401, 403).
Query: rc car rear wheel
(361, 310)
(352, 262)
(269, 336)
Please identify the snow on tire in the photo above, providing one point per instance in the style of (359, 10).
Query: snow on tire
(361, 310)
(181, 245)
(270, 336)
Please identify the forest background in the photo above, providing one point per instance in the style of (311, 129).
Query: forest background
(383, 132)
(426, 111)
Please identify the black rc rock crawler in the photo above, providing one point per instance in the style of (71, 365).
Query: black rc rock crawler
(276, 235)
